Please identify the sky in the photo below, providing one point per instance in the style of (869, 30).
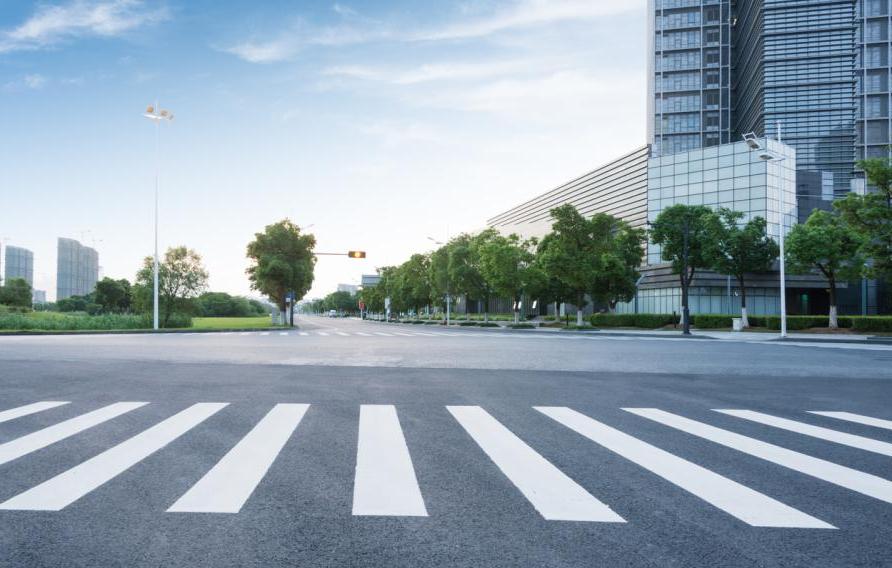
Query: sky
(373, 124)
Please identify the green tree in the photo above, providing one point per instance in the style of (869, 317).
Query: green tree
(373, 297)
(16, 292)
(619, 256)
(113, 296)
(468, 269)
(75, 303)
(827, 243)
(414, 282)
(439, 275)
(871, 216)
(570, 254)
(181, 278)
(507, 264)
(282, 262)
(342, 302)
(682, 232)
(739, 250)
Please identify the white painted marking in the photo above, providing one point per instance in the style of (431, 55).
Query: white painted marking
(304, 334)
(264, 333)
(850, 440)
(19, 447)
(864, 483)
(27, 409)
(549, 490)
(857, 418)
(364, 334)
(69, 486)
(229, 484)
(385, 483)
(245, 333)
(342, 334)
(383, 334)
(737, 500)
(283, 333)
(322, 333)
(402, 334)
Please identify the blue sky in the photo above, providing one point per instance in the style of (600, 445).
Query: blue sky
(379, 123)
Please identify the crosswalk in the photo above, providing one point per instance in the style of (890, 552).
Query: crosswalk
(386, 483)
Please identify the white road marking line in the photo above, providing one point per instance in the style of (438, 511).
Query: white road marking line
(229, 484)
(245, 333)
(424, 334)
(857, 418)
(303, 334)
(264, 333)
(383, 334)
(864, 483)
(748, 505)
(549, 490)
(32, 408)
(364, 334)
(19, 447)
(342, 334)
(322, 333)
(283, 333)
(385, 483)
(850, 440)
(69, 486)
(403, 334)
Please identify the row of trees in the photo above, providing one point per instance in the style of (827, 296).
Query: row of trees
(340, 301)
(16, 293)
(580, 258)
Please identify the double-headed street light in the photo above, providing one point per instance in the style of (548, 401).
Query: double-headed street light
(768, 156)
(157, 116)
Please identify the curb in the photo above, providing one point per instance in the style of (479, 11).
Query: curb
(37, 332)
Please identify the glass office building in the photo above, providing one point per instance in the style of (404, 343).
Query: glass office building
(805, 64)
(19, 264)
(77, 269)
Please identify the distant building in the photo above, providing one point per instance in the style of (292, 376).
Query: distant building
(351, 288)
(369, 280)
(19, 264)
(38, 297)
(77, 269)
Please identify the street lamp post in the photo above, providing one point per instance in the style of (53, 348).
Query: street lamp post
(769, 156)
(157, 116)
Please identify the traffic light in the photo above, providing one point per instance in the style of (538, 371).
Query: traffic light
(356, 254)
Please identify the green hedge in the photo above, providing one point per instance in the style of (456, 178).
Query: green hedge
(521, 326)
(870, 323)
(487, 324)
(467, 323)
(649, 321)
(713, 321)
(49, 321)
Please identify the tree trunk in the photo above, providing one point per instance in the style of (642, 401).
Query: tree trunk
(743, 318)
(684, 299)
(579, 310)
(834, 322)
(516, 310)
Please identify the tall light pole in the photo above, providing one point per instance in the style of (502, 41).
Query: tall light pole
(157, 116)
(769, 156)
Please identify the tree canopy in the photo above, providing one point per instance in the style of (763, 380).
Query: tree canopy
(181, 278)
(282, 261)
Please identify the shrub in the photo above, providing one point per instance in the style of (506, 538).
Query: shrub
(487, 324)
(713, 321)
(467, 323)
(48, 321)
(648, 321)
(869, 323)
(521, 326)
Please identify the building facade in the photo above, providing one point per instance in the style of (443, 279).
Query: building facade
(618, 188)
(77, 269)
(817, 68)
(19, 263)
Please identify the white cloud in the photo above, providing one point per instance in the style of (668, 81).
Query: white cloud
(530, 13)
(287, 45)
(344, 11)
(53, 24)
(446, 71)
(33, 82)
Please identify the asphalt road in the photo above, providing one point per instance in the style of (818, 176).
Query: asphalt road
(349, 443)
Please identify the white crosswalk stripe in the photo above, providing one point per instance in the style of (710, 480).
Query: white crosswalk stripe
(381, 333)
(737, 500)
(303, 334)
(856, 418)
(550, 491)
(342, 334)
(69, 486)
(27, 409)
(322, 333)
(226, 487)
(843, 438)
(385, 483)
(283, 333)
(50, 435)
(859, 481)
